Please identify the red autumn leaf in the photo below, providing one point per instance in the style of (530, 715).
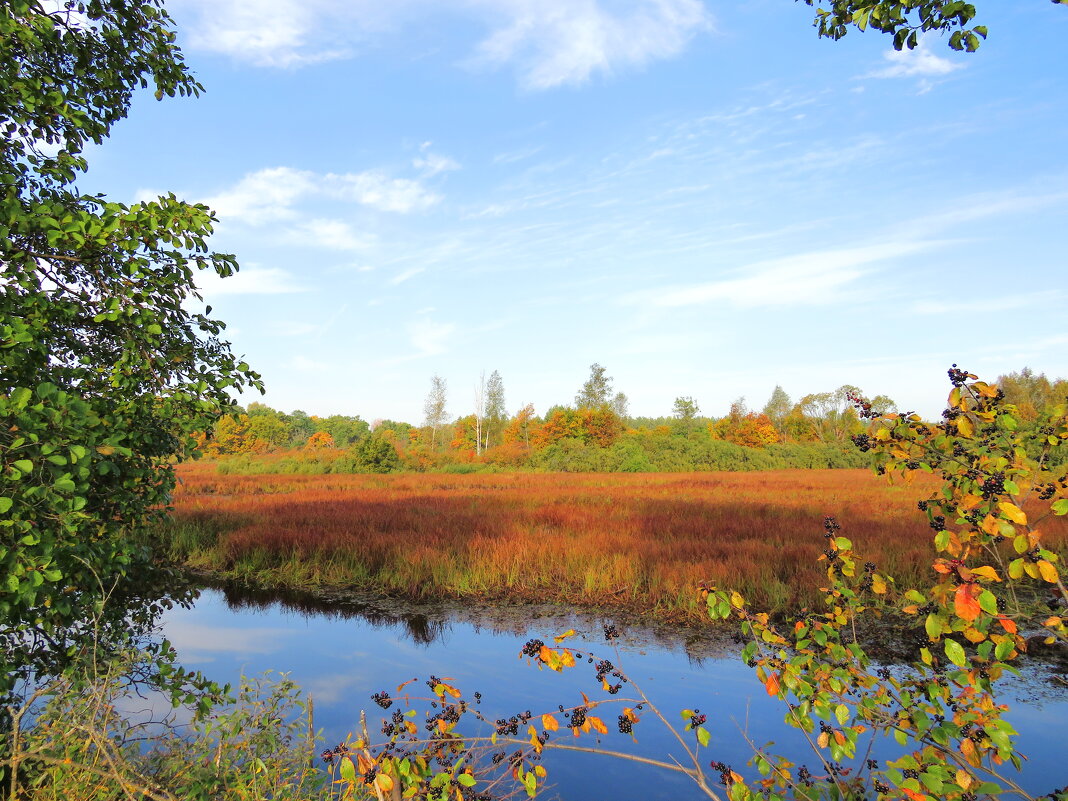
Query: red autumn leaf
(965, 602)
(772, 684)
(1007, 624)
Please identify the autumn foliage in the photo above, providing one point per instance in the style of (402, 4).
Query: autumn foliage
(641, 541)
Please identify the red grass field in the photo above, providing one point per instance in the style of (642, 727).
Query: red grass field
(642, 541)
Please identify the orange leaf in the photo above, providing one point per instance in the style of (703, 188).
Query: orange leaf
(823, 739)
(1007, 624)
(965, 604)
(384, 782)
(967, 747)
(363, 763)
(400, 687)
(597, 724)
(942, 567)
(548, 722)
(772, 684)
(913, 794)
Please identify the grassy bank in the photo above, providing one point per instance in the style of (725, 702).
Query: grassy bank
(632, 541)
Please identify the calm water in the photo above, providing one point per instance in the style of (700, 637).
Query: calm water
(342, 654)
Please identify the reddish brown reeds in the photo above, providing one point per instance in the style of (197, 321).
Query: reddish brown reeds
(643, 541)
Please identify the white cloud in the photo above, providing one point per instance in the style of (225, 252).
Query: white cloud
(267, 33)
(430, 338)
(401, 277)
(917, 63)
(552, 42)
(804, 279)
(269, 195)
(432, 164)
(557, 43)
(328, 234)
(250, 280)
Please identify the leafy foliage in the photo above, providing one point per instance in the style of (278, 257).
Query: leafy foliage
(905, 20)
(104, 373)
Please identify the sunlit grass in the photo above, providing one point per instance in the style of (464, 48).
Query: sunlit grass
(643, 541)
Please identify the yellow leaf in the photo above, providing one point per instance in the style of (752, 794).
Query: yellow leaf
(539, 771)
(965, 427)
(384, 782)
(548, 722)
(974, 635)
(561, 637)
(1051, 622)
(1011, 511)
(878, 585)
(970, 501)
(986, 572)
(597, 724)
(967, 747)
(737, 601)
(823, 739)
(1047, 571)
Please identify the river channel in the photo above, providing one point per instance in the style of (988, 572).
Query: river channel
(342, 652)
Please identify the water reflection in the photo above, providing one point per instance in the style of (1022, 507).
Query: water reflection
(425, 623)
(344, 649)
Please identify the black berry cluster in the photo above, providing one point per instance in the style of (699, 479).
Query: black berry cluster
(610, 631)
(626, 725)
(533, 647)
(957, 377)
(382, 699)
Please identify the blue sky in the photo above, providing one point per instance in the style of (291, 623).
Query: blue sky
(703, 197)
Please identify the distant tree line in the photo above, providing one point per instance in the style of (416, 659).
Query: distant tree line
(594, 433)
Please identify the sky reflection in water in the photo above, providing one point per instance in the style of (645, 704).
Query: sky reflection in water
(342, 656)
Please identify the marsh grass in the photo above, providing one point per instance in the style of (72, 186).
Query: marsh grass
(641, 541)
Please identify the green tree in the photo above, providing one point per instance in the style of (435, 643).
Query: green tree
(597, 390)
(496, 411)
(434, 407)
(105, 373)
(685, 411)
(778, 407)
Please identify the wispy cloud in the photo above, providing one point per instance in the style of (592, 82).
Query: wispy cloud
(433, 163)
(550, 42)
(430, 338)
(327, 234)
(250, 280)
(804, 279)
(917, 63)
(987, 305)
(554, 43)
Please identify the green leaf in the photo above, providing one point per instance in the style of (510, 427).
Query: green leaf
(955, 653)
(1060, 507)
(348, 770)
(23, 465)
(466, 779)
(841, 713)
(703, 737)
(5, 505)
